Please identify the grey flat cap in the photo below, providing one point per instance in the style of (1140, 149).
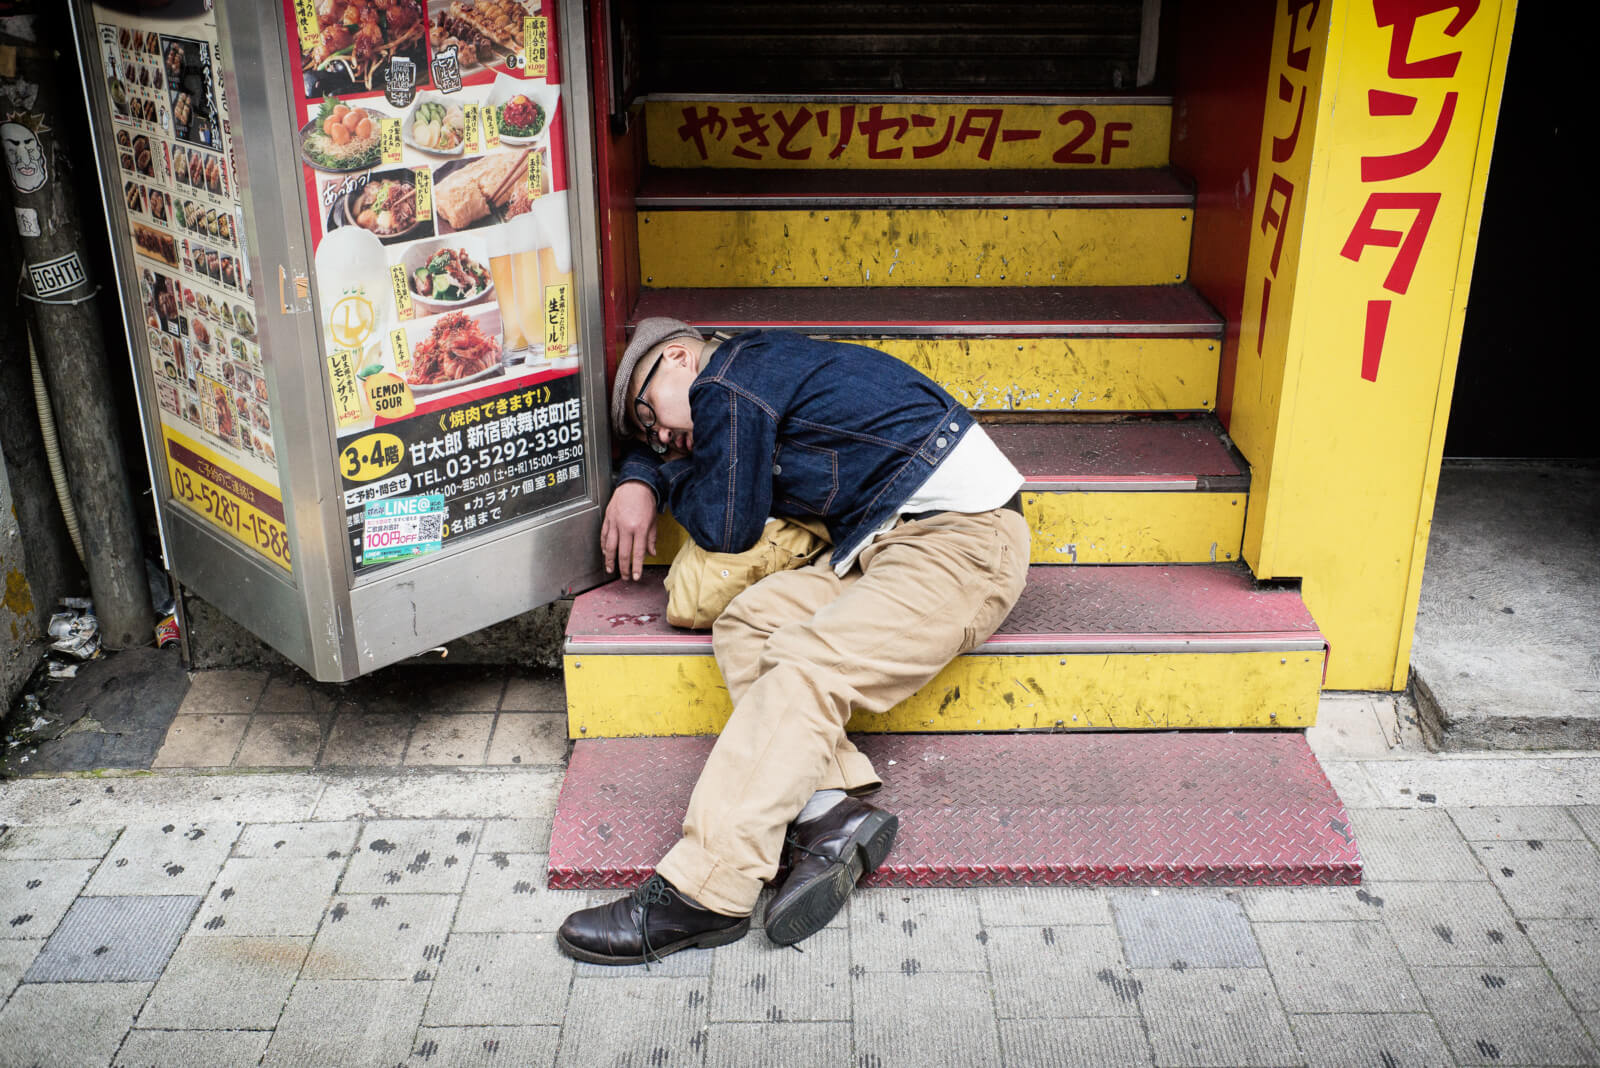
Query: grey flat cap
(646, 336)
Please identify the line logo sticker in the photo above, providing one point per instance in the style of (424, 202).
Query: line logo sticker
(57, 275)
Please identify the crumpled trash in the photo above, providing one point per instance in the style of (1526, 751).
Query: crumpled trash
(166, 631)
(76, 630)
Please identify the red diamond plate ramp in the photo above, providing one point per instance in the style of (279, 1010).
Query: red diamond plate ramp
(1129, 809)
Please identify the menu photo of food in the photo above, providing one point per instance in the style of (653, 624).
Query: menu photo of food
(342, 138)
(358, 40)
(485, 34)
(481, 190)
(385, 204)
(454, 349)
(134, 194)
(191, 92)
(523, 109)
(155, 244)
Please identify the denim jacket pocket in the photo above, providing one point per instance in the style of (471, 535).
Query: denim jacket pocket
(805, 478)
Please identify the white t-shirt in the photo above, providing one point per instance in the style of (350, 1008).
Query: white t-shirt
(975, 477)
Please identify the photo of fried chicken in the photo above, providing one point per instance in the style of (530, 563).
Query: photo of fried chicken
(456, 349)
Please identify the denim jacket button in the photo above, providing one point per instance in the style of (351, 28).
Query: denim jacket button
(940, 442)
(955, 428)
(777, 469)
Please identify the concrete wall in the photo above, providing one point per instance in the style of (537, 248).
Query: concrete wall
(19, 644)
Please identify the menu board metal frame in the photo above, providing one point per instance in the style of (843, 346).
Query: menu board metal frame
(322, 614)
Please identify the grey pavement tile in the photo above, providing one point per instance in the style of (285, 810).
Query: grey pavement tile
(367, 739)
(1279, 904)
(1337, 967)
(225, 984)
(927, 1019)
(67, 1025)
(1587, 817)
(1571, 948)
(15, 956)
(1060, 971)
(412, 857)
(1509, 781)
(269, 896)
(1076, 1043)
(201, 741)
(185, 1049)
(1504, 1016)
(1041, 906)
(1183, 928)
(1440, 924)
(113, 939)
(223, 693)
(1383, 1040)
(297, 839)
(1412, 845)
(647, 1021)
(454, 691)
(535, 693)
(35, 894)
(1347, 728)
(895, 930)
(1350, 782)
(280, 741)
(529, 738)
(509, 979)
(794, 1045)
(58, 842)
(181, 857)
(181, 797)
(349, 1024)
(515, 836)
(297, 693)
(692, 963)
(485, 1047)
(758, 981)
(1544, 879)
(378, 936)
(506, 892)
(472, 794)
(450, 738)
(1487, 824)
(1216, 1016)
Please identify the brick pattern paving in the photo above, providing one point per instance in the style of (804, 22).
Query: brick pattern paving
(260, 927)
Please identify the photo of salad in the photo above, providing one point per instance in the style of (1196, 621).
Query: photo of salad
(341, 138)
(434, 126)
(450, 276)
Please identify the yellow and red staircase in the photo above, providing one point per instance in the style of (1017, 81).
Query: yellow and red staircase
(1051, 300)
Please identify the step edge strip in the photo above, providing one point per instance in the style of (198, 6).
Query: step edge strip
(1018, 329)
(1040, 644)
(850, 201)
(1151, 100)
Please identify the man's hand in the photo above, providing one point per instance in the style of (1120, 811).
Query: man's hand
(629, 531)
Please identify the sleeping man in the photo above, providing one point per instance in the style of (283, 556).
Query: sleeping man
(930, 552)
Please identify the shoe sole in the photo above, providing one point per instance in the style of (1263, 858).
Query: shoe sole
(821, 899)
(708, 940)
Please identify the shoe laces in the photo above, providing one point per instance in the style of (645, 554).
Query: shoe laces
(654, 891)
(792, 840)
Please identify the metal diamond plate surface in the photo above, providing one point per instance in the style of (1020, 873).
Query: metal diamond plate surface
(1144, 448)
(1067, 604)
(1124, 809)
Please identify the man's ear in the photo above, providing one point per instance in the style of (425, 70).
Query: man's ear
(677, 351)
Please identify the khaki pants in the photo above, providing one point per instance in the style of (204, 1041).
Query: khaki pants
(800, 651)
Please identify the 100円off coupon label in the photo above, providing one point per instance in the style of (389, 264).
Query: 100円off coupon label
(238, 504)
(491, 460)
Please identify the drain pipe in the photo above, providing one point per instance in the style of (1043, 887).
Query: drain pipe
(52, 448)
(61, 292)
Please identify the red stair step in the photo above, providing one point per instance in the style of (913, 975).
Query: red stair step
(944, 311)
(1135, 809)
(1137, 608)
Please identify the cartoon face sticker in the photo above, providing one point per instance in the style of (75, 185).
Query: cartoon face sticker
(24, 157)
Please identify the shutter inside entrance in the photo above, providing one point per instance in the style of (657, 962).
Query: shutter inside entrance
(849, 45)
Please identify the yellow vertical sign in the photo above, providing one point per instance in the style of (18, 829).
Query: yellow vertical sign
(424, 187)
(535, 174)
(469, 139)
(399, 350)
(491, 126)
(535, 34)
(346, 395)
(305, 17)
(557, 319)
(402, 291)
(389, 140)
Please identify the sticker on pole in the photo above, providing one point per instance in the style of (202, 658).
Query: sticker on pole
(57, 276)
(400, 527)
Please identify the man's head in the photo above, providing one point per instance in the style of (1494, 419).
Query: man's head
(650, 400)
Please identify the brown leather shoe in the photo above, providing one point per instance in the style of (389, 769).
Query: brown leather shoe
(829, 854)
(645, 926)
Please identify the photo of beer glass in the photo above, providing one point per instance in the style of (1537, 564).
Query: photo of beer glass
(501, 252)
(555, 271)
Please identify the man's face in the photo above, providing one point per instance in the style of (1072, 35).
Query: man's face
(665, 379)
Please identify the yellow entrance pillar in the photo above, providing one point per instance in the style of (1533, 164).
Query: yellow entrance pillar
(1380, 121)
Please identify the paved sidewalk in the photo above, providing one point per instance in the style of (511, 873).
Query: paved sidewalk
(399, 916)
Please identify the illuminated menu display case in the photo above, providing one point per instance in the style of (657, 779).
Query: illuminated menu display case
(355, 251)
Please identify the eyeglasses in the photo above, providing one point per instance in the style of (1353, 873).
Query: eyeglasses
(644, 413)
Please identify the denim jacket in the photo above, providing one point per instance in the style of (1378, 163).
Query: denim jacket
(786, 425)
